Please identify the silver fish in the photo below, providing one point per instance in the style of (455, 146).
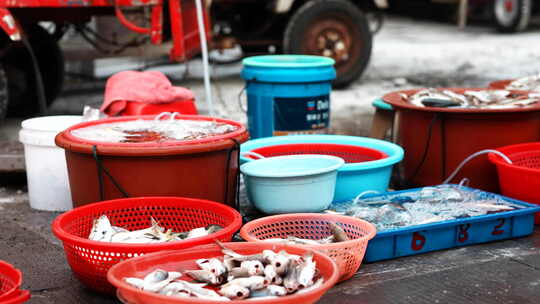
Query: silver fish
(197, 232)
(278, 260)
(315, 285)
(158, 279)
(234, 292)
(270, 290)
(290, 281)
(135, 282)
(252, 283)
(213, 228)
(271, 275)
(238, 272)
(204, 276)
(307, 271)
(102, 230)
(213, 265)
(254, 268)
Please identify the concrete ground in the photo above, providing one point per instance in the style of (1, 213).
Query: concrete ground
(407, 53)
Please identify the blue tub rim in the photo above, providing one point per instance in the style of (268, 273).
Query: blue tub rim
(395, 152)
(288, 61)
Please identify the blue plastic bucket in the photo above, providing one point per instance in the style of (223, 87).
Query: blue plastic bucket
(288, 94)
(353, 178)
(290, 184)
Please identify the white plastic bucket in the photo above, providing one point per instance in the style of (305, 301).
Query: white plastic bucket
(46, 171)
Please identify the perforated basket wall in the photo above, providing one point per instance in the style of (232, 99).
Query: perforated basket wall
(348, 255)
(349, 153)
(90, 260)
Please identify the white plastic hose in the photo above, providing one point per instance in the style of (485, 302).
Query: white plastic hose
(204, 50)
(359, 196)
(466, 160)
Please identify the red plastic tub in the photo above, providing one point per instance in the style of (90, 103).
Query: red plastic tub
(185, 259)
(521, 179)
(349, 153)
(10, 282)
(436, 140)
(205, 168)
(90, 260)
(500, 84)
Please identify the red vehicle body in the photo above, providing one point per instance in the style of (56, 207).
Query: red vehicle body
(333, 28)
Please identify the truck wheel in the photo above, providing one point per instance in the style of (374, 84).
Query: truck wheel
(331, 28)
(23, 98)
(511, 15)
(3, 94)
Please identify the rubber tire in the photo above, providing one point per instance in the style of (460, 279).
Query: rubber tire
(308, 13)
(520, 21)
(23, 98)
(4, 95)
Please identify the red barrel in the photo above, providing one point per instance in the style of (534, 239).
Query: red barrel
(436, 140)
(205, 168)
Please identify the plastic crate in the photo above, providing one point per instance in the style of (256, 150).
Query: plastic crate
(418, 239)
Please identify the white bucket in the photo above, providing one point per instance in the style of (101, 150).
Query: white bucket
(46, 170)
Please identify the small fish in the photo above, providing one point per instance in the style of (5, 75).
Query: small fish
(271, 275)
(339, 234)
(315, 285)
(290, 281)
(238, 272)
(279, 260)
(307, 271)
(270, 290)
(213, 265)
(102, 230)
(213, 228)
(252, 283)
(204, 276)
(197, 232)
(135, 282)
(234, 292)
(302, 241)
(254, 268)
(174, 288)
(158, 279)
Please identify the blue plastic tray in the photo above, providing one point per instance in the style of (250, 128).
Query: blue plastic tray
(418, 239)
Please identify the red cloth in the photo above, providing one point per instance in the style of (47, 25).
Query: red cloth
(151, 87)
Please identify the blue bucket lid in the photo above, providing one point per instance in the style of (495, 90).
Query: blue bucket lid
(288, 68)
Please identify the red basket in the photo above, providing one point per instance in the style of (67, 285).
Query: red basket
(348, 255)
(349, 153)
(90, 260)
(521, 179)
(10, 282)
(180, 260)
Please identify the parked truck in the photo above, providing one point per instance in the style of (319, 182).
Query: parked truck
(30, 53)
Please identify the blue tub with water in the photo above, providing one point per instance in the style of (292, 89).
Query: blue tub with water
(288, 94)
(353, 178)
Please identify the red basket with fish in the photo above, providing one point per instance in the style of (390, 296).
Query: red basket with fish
(90, 260)
(183, 261)
(347, 252)
(10, 282)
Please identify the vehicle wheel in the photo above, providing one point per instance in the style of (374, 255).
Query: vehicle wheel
(3, 94)
(23, 98)
(331, 28)
(512, 15)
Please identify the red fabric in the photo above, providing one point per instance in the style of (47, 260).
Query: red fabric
(151, 87)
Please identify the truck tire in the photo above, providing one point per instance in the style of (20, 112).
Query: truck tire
(331, 28)
(23, 98)
(3, 94)
(511, 15)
